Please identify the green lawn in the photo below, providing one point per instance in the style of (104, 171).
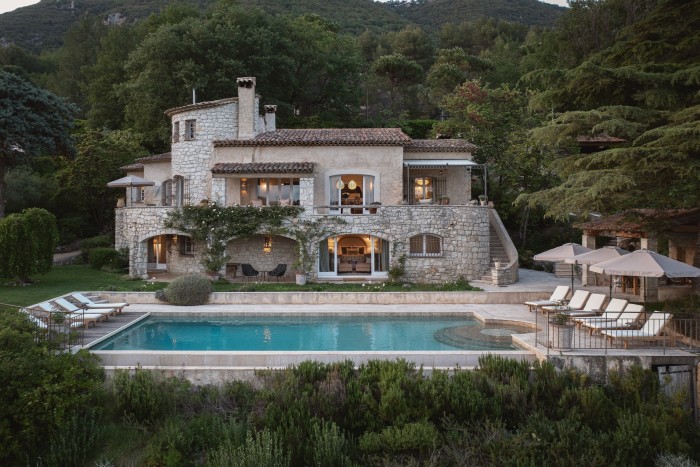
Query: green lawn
(65, 279)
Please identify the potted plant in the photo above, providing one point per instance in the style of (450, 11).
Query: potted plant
(483, 199)
(444, 200)
(374, 210)
(561, 331)
(497, 263)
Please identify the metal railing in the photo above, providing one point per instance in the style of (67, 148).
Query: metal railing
(53, 328)
(599, 333)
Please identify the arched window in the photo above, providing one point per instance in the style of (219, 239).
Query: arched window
(425, 245)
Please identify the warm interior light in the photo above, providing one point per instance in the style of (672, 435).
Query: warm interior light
(244, 184)
(263, 184)
(352, 185)
(340, 185)
(267, 244)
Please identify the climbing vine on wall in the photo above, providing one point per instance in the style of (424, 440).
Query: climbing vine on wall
(217, 224)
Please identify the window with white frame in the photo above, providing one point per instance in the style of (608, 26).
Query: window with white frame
(425, 245)
(190, 129)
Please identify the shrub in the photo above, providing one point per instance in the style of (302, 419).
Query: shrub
(328, 446)
(99, 258)
(264, 448)
(87, 244)
(419, 438)
(188, 290)
(27, 243)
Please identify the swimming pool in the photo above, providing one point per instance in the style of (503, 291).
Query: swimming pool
(311, 333)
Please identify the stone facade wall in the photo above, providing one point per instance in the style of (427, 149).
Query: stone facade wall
(250, 250)
(384, 162)
(191, 158)
(464, 230)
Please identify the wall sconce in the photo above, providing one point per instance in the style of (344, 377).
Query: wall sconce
(244, 184)
(352, 185)
(267, 244)
(174, 238)
(340, 185)
(263, 184)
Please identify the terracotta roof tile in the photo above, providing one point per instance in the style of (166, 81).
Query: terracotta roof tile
(132, 167)
(325, 137)
(166, 156)
(440, 145)
(199, 105)
(635, 220)
(264, 168)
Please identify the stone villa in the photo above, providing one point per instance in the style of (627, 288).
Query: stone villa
(399, 196)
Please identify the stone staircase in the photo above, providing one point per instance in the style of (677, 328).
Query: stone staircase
(497, 250)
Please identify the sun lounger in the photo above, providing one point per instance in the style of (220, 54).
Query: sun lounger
(591, 308)
(72, 308)
(557, 296)
(652, 330)
(83, 319)
(611, 313)
(578, 300)
(628, 319)
(86, 301)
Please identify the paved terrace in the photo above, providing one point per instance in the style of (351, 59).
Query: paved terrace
(212, 367)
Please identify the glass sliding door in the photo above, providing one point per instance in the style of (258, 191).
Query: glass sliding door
(353, 255)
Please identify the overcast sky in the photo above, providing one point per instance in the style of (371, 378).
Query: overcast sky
(9, 5)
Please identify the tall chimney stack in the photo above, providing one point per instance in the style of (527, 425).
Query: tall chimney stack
(247, 112)
(270, 118)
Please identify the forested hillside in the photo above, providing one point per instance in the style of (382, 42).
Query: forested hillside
(43, 25)
(523, 94)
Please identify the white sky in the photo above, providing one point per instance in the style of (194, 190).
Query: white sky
(9, 5)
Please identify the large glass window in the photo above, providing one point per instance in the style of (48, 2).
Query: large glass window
(351, 190)
(280, 190)
(349, 255)
(423, 189)
(425, 245)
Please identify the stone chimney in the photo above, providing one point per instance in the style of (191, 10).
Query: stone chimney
(247, 113)
(270, 119)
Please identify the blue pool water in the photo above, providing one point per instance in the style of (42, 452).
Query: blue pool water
(310, 333)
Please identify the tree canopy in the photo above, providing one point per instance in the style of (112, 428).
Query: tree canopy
(33, 121)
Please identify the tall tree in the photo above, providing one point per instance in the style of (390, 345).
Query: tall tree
(83, 180)
(34, 122)
(643, 88)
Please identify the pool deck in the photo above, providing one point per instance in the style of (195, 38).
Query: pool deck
(216, 367)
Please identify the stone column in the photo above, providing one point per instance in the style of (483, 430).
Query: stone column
(650, 243)
(589, 242)
(652, 283)
(218, 190)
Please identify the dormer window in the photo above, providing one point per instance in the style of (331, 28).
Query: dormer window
(190, 128)
(176, 132)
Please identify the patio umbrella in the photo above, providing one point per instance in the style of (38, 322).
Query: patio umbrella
(598, 256)
(562, 253)
(130, 181)
(646, 263)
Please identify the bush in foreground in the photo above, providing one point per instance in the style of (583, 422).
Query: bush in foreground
(188, 290)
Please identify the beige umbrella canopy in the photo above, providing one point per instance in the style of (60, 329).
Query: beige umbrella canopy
(645, 263)
(562, 253)
(130, 181)
(597, 256)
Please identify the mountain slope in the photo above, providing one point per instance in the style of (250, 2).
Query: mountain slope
(42, 26)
